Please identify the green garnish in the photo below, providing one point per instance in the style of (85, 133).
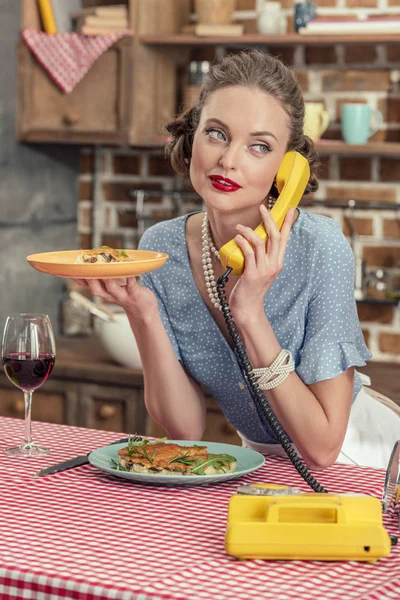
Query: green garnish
(133, 446)
(159, 441)
(144, 453)
(182, 459)
(116, 466)
(132, 443)
(219, 461)
(123, 253)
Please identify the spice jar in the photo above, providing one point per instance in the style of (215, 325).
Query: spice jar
(377, 287)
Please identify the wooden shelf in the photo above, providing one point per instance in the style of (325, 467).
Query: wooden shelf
(386, 301)
(372, 148)
(289, 39)
(324, 147)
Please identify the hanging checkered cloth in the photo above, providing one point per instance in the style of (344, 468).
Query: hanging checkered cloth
(67, 57)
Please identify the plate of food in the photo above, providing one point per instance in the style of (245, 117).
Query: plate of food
(98, 263)
(176, 462)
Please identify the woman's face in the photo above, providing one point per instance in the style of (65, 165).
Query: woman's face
(238, 146)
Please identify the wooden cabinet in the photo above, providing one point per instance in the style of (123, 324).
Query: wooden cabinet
(88, 390)
(53, 403)
(217, 427)
(84, 389)
(111, 407)
(131, 91)
(126, 97)
(97, 109)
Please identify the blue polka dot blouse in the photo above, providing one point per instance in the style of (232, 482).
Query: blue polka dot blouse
(310, 306)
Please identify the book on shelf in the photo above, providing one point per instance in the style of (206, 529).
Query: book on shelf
(119, 10)
(94, 20)
(348, 25)
(218, 30)
(112, 19)
(100, 29)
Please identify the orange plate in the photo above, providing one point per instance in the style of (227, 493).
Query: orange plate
(62, 264)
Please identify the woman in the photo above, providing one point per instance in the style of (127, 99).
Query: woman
(293, 305)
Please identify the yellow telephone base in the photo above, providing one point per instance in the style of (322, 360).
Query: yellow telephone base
(306, 526)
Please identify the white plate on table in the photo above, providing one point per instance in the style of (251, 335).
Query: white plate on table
(247, 461)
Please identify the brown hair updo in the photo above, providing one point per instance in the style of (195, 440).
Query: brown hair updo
(251, 69)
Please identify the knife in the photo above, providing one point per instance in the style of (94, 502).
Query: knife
(78, 461)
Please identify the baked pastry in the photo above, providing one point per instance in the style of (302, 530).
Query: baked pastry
(173, 459)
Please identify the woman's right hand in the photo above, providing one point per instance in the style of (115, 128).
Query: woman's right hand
(135, 299)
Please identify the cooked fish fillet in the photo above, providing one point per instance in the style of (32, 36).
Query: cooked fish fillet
(173, 459)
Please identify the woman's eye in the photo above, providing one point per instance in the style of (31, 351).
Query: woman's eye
(215, 134)
(262, 148)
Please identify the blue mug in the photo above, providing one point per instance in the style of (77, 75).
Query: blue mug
(356, 122)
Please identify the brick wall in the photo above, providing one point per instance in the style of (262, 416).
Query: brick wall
(332, 74)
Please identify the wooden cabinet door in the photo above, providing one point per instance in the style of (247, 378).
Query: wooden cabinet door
(217, 427)
(97, 110)
(112, 408)
(55, 402)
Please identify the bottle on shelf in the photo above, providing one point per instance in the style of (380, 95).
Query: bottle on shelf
(377, 285)
(196, 75)
(359, 281)
(395, 82)
(303, 13)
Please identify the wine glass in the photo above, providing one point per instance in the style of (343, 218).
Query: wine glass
(28, 354)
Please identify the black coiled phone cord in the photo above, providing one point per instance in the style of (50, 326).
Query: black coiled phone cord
(258, 396)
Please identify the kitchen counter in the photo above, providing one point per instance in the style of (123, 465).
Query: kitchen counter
(83, 358)
(87, 388)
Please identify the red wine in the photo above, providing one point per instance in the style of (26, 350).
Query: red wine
(25, 372)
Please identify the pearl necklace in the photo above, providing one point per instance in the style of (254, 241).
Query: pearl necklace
(208, 247)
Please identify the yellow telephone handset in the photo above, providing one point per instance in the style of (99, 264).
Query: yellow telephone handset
(291, 181)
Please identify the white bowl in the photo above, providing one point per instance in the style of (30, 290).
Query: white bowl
(118, 340)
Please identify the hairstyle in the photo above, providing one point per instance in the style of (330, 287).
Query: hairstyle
(256, 70)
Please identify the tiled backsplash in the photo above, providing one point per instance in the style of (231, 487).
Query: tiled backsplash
(332, 74)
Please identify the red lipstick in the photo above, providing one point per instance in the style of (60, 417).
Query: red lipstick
(222, 184)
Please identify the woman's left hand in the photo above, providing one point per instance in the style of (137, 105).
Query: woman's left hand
(263, 262)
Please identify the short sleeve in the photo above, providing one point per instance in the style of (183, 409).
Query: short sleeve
(333, 339)
(152, 281)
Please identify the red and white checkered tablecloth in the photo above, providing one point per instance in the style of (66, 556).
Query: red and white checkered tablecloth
(82, 534)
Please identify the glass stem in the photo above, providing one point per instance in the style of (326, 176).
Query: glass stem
(28, 406)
